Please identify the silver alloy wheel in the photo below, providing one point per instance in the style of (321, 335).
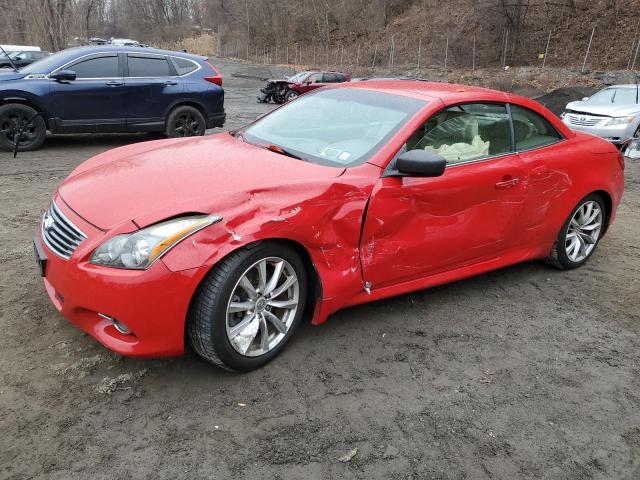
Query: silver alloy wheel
(583, 231)
(262, 306)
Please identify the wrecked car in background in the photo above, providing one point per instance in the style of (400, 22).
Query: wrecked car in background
(613, 113)
(285, 90)
(351, 194)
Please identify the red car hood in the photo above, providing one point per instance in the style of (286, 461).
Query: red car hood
(151, 181)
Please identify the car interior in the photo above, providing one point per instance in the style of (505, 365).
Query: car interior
(467, 132)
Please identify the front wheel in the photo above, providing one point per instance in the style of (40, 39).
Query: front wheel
(13, 119)
(580, 234)
(291, 95)
(185, 121)
(247, 308)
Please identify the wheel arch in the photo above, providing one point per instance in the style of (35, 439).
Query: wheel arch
(313, 277)
(559, 214)
(24, 100)
(608, 206)
(186, 103)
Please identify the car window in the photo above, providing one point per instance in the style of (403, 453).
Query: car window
(613, 96)
(315, 78)
(148, 67)
(331, 78)
(298, 77)
(335, 126)
(97, 67)
(183, 66)
(531, 129)
(20, 55)
(47, 63)
(465, 132)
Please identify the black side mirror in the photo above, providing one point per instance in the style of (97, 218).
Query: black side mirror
(64, 76)
(421, 163)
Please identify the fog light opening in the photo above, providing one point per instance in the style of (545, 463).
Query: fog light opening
(119, 326)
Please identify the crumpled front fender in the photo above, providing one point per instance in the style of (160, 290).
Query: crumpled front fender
(324, 217)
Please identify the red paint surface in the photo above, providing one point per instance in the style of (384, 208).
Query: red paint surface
(304, 87)
(414, 233)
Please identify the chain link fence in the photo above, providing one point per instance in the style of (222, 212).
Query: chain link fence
(436, 53)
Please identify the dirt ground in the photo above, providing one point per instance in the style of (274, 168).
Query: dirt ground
(525, 372)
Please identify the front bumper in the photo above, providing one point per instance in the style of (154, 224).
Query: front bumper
(152, 303)
(617, 134)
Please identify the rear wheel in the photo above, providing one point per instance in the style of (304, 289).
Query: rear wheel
(580, 234)
(13, 118)
(185, 121)
(248, 307)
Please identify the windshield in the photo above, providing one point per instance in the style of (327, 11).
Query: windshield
(298, 77)
(615, 96)
(337, 126)
(46, 64)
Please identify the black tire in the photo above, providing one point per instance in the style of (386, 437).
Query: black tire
(291, 95)
(185, 121)
(14, 116)
(558, 256)
(207, 318)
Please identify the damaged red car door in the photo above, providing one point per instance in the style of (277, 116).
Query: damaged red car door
(416, 227)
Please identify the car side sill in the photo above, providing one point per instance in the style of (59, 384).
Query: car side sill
(509, 258)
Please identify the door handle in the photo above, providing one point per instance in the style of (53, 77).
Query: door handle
(170, 82)
(508, 182)
(115, 83)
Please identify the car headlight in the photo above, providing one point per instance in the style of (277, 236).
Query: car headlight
(620, 120)
(140, 249)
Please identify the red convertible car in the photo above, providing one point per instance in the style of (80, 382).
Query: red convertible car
(350, 194)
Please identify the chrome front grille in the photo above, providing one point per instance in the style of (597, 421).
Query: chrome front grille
(584, 120)
(59, 233)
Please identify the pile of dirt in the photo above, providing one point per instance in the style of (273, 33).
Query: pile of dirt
(556, 100)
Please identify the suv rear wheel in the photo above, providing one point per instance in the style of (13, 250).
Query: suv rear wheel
(13, 117)
(185, 121)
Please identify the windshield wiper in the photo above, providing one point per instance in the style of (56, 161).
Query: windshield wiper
(13, 65)
(239, 134)
(281, 151)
